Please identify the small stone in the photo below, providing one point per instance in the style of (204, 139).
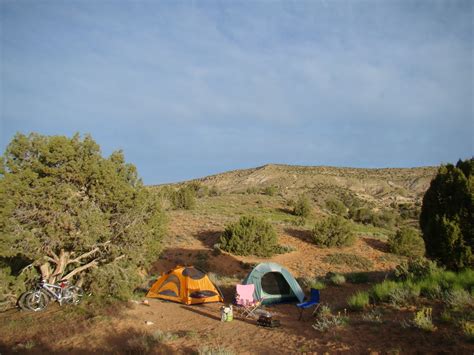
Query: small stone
(149, 322)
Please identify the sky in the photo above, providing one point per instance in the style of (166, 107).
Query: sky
(192, 88)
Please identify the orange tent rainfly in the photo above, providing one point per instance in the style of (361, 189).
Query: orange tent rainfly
(185, 284)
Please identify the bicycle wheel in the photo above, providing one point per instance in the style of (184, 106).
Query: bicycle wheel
(22, 301)
(75, 294)
(36, 301)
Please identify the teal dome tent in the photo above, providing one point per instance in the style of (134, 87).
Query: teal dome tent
(274, 284)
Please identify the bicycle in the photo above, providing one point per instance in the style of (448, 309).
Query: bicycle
(39, 298)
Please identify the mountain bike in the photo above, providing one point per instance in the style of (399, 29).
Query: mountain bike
(39, 298)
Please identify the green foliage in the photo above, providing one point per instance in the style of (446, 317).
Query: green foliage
(351, 260)
(415, 269)
(336, 279)
(333, 231)
(423, 319)
(302, 207)
(270, 190)
(184, 198)
(365, 215)
(381, 292)
(252, 190)
(317, 284)
(59, 198)
(336, 207)
(407, 242)
(325, 320)
(459, 300)
(250, 236)
(447, 215)
(358, 301)
(468, 330)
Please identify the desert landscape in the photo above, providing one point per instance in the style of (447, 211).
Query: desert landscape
(158, 326)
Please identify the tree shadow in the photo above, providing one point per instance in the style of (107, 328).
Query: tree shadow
(222, 265)
(304, 235)
(208, 237)
(377, 244)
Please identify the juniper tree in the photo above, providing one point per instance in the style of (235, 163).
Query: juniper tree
(70, 212)
(447, 215)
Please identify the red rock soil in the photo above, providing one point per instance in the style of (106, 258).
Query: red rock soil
(198, 326)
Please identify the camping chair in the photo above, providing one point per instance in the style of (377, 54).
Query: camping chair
(313, 301)
(245, 301)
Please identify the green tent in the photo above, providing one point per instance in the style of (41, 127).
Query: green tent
(274, 284)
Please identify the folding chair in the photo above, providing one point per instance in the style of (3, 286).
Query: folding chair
(313, 302)
(245, 301)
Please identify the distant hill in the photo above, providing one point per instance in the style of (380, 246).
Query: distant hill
(380, 186)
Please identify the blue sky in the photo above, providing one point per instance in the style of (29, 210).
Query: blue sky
(191, 88)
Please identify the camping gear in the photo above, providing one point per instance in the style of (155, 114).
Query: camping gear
(185, 284)
(227, 314)
(274, 284)
(268, 321)
(244, 299)
(313, 302)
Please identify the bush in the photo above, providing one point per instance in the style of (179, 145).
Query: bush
(336, 279)
(334, 231)
(336, 207)
(415, 269)
(326, 320)
(270, 190)
(358, 301)
(459, 300)
(381, 292)
(250, 236)
(302, 207)
(184, 198)
(423, 319)
(407, 242)
(447, 219)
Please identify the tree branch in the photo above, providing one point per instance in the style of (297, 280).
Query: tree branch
(85, 255)
(93, 263)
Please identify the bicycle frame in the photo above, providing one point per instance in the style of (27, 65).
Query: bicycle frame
(54, 291)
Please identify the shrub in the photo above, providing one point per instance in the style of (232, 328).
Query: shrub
(446, 219)
(213, 191)
(252, 190)
(302, 207)
(334, 231)
(407, 242)
(374, 316)
(351, 260)
(326, 320)
(459, 300)
(405, 294)
(415, 269)
(318, 285)
(270, 190)
(468, 330)
(250, 236)
(336, 207)
(358, 301)
(423, 319)
(184, 198)
(382, 291)
(336, 279)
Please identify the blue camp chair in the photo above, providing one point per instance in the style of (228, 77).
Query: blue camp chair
(313, 301)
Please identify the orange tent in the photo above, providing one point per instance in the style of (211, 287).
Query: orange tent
(185, 284)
